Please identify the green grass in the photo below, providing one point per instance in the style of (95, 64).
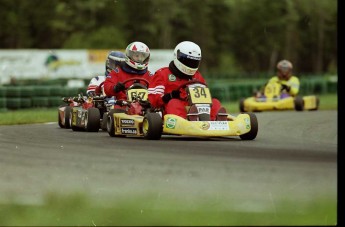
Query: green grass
(149, 210)
(41, 115)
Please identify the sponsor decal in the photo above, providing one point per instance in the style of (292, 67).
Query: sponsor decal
(247, 123)
(205, 125)
(171, 123)
(127, 122)
(132, 131)
(172, 77)
(202, 110)
(215, 125)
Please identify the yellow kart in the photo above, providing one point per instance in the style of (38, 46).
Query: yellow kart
(244, 125)
(138, 119)
(274, 99)
(135, 118)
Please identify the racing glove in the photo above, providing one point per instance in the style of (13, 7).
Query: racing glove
(175, 94)
(119, 87)
(286, 87)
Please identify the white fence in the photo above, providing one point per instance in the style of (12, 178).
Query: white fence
(38, 63)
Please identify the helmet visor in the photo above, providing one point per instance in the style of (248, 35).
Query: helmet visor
(139, 57)
(111, 64)
(189, 61)
(284, 69)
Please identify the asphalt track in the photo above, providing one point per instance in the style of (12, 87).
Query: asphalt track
(294, 156)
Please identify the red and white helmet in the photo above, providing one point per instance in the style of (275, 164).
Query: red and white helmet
(137, 55)
(187, 57)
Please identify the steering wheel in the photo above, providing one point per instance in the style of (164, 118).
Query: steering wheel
(136, 83)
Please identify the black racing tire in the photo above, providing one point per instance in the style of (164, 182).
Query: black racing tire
(104, 121)
(299, 103)
(152, 126)
(68, 111)
(241, 105)
(92, 120)
(251, 135)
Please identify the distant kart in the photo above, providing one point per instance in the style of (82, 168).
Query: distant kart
(64, 112)
(150, 125)
(273, 99)
(83, 113)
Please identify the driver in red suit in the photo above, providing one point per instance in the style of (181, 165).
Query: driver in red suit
(135, 65)
(163, 88)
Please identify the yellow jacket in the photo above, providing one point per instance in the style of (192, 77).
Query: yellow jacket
(293, 83)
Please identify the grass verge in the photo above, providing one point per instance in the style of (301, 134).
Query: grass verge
(41, 115)
(78, 210)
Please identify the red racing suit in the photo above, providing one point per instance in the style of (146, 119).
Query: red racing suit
(164, 82)
(120, 75)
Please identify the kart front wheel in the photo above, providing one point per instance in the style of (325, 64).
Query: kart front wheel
(253, 128)
(299, 103)
(152, 126)
(92, 120)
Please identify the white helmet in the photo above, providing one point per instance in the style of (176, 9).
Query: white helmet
(187, 57)
(137, 55)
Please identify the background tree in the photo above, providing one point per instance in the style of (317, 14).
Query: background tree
(236, 36)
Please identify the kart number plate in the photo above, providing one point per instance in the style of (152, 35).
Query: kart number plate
(199, 95)
(272, 90)
(133, 94)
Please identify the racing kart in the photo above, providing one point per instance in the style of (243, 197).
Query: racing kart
(138, 121)
(275, 98)
(64, 112)
(198, 122)
(135, 118)
(84, 113)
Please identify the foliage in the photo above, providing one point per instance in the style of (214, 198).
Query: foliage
(254, 34)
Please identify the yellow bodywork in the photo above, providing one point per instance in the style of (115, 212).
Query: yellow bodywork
(310, 102)
(129, 125)
(250, 104)
(179, 126)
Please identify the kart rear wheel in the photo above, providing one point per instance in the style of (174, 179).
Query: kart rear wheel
(299, 103)
(152, 126)
(104, 121)
(92, 120)
(68, 110)
(254, 128)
